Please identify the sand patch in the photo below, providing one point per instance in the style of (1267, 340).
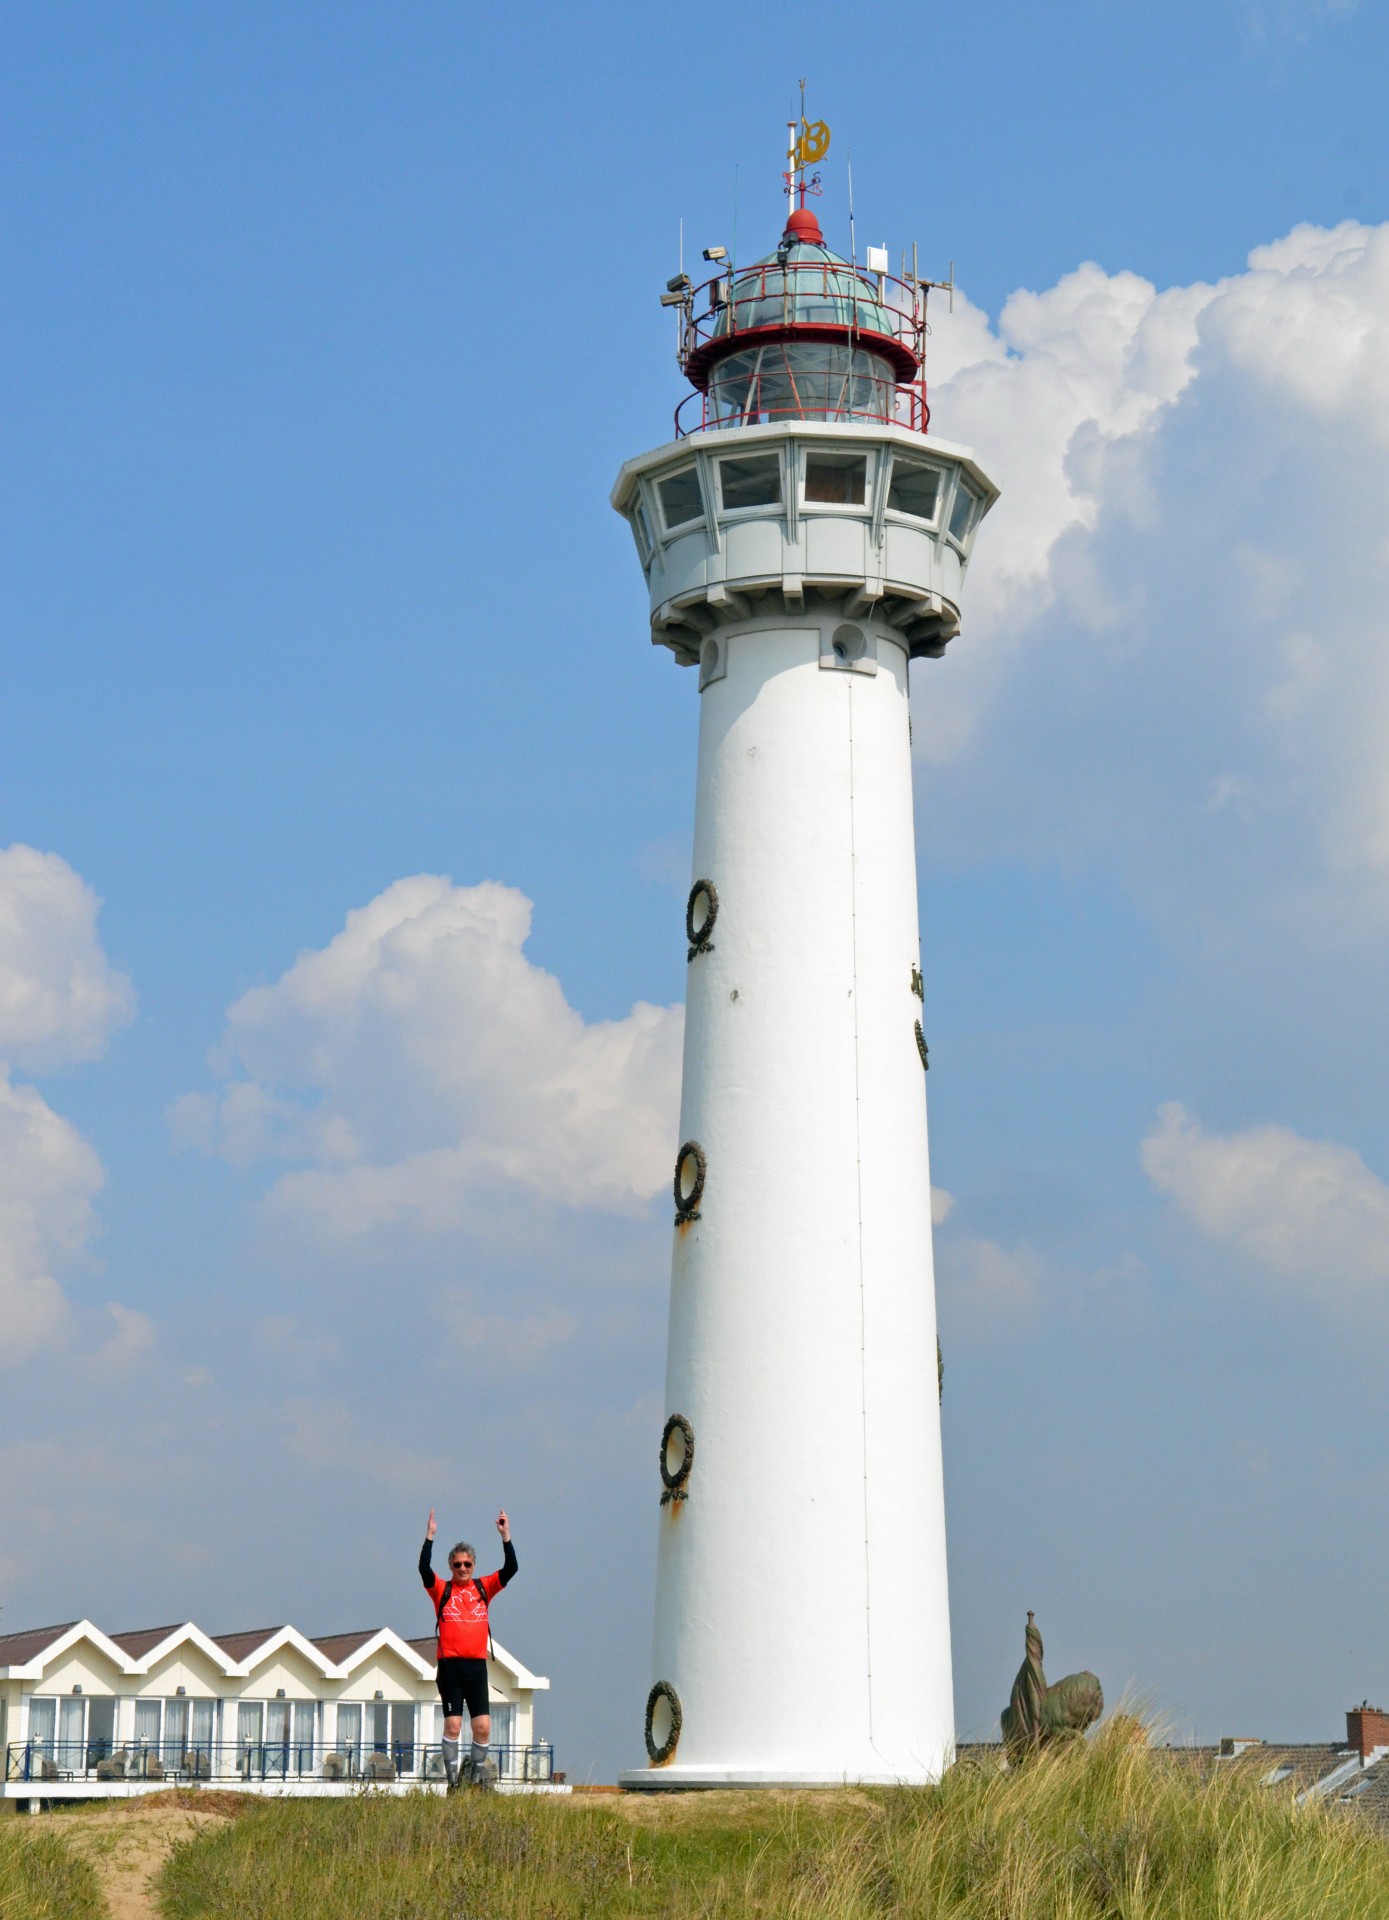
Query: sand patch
(127, 1844)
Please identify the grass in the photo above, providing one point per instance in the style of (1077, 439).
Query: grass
(40, 1879)
(1107, 1832)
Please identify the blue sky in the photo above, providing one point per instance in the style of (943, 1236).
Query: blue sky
(325, 332)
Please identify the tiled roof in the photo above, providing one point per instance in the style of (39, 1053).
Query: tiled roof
(426, 1648)
(237, 1646)
(138, 1643)
(18, 1649)
(338, 1647)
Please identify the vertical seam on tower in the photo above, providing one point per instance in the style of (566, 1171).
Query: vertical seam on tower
(858, 1171)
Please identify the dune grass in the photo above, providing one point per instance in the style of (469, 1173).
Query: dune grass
(1107, 1832)
(40, 1879)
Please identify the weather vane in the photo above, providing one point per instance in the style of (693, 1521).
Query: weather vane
(806, 143)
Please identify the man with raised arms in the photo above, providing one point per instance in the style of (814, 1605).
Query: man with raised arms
(464, 1633)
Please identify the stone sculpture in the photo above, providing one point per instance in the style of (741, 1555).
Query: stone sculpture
(1038, 1715)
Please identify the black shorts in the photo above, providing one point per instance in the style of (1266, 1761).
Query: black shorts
(463, 1683)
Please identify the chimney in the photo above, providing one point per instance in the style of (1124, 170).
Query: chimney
(1367, 1727)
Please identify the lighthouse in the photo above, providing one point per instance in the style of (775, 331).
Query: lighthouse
(804, 538)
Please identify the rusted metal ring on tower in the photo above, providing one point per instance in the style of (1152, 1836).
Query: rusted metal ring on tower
(679, 1429)
(921, 1045)
(690, 1169)
(700, 918)
(663, 1694)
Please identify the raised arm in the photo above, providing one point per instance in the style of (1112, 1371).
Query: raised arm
(508, 1567)
(427, 1553)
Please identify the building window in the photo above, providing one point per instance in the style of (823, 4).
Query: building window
(644, 543)
(43, 1724)
(914, 490)
(350, 1733)
(681, 500)
(403, 1735)
(751, 482)
(101, 1727)
(835, 479)
(248, 1724)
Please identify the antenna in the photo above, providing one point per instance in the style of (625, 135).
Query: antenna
(733, 263)
(800, 146)
(853, 249)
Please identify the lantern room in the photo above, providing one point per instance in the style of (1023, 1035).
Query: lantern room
(803, 335)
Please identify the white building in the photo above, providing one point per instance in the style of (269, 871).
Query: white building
(803, 538)
(90, 1715)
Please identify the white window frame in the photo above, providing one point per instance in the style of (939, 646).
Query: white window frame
(786, 479)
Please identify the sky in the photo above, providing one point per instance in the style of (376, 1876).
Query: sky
(345, 813)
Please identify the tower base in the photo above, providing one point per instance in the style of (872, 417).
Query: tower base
(700, 1779)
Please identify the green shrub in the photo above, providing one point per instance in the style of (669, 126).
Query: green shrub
(1107, 1831)
(40, 1879)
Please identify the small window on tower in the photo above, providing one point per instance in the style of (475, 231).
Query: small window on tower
(643, 530)
(962, 514)
(914, 490)
(681, 499)
(835, 479)
(751, 482)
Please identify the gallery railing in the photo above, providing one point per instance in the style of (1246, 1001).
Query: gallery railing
(256, 1764)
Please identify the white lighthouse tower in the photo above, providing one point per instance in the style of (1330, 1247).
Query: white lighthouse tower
(804, 537)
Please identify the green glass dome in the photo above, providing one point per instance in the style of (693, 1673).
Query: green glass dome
(803, 285)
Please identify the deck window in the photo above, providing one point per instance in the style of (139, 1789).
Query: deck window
(751, 482)
(681, 500)
(914, 490)
(835, 479)
(962, 514)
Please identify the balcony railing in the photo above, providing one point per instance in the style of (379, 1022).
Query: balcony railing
(255, 1765)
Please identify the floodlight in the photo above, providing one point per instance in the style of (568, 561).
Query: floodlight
(716, 254)
(680, 284)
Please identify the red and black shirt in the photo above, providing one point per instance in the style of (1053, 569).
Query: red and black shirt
(461, 1605)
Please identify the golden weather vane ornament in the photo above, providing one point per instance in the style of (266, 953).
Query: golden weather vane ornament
(807, 142)
(812, 144)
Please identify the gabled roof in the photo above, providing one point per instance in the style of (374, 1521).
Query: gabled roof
(142, 1641)
(336, 1656)
(238, 1646)
(338, 1647)
(18, 1649)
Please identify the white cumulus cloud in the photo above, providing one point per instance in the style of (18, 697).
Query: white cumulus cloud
(60, 1000)
(421, 1060)
(49, 1177)
(1173, 665)
(1309, 1211)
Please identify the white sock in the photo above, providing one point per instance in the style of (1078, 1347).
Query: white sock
(450, 1748)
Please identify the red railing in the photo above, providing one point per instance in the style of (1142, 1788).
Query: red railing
(910, 411)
